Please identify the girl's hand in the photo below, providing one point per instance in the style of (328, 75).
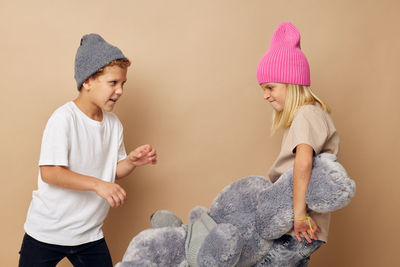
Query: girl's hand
(113, 193)
(143, 155)
(302, 228)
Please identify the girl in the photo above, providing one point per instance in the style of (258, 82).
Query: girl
(284, 75)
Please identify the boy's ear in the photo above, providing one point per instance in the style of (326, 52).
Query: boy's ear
(86, 85)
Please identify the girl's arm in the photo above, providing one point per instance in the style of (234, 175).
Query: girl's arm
(301, 177)
(63, 177)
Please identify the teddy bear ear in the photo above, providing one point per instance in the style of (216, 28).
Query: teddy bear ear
(164, 218)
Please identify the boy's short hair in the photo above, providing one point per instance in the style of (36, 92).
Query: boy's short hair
(93, 54)
(122, 63)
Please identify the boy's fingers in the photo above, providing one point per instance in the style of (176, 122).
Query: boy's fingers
(136, 156)
(120, 196)
(119, 200)
(116, 201)
(145, 148)
(123, 192)
(152, 153)
(111, 202)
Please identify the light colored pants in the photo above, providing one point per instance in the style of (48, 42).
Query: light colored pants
(287, 251)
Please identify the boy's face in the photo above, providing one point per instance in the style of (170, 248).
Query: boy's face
(105, 90)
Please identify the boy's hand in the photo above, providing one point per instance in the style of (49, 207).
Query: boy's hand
(143, 155)
(113, 193)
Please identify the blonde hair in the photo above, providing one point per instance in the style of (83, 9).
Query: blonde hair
(296, 96)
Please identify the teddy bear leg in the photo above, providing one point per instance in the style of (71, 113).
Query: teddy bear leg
(156, 247)
(222, 247)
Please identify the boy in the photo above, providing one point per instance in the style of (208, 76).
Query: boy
(82, 154)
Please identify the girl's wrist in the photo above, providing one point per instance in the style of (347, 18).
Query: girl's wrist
(300, 213)
(301, 218)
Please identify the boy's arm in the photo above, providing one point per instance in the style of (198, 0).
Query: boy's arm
(124, 168)
(140, 156)
(65, 178)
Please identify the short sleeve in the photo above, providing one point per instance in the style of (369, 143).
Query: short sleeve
(308, 127)
(55, 142)
(121, 146)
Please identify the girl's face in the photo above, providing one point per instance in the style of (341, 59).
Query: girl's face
(275, 94)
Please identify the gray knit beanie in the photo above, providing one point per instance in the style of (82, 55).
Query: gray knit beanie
(93, 54)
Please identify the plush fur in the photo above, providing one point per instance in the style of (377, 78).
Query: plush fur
(250, 213)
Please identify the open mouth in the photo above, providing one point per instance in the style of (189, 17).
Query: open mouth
(113, 100)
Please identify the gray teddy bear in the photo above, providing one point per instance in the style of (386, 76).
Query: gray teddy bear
(242, 222)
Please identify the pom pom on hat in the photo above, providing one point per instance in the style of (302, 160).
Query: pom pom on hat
(93, 53)
(284, 61)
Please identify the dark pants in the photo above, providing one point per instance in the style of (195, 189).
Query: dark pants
(34, 253)
(287, 251)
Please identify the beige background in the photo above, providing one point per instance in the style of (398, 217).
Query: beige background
(192, 93)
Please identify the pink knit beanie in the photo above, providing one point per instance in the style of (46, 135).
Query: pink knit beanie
(284, 61)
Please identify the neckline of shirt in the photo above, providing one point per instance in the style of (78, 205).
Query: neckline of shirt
(86, 117)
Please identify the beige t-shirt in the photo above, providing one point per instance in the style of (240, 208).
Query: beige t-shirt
(314, 127)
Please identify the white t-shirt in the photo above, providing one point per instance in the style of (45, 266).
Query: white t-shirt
(71, 217)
